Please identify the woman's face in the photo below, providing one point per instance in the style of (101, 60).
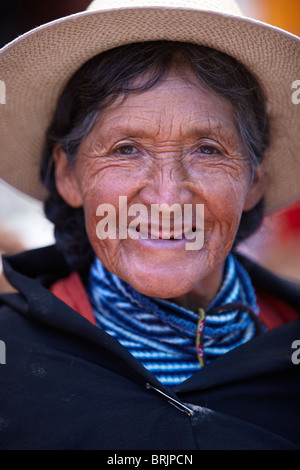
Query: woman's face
(176, 143)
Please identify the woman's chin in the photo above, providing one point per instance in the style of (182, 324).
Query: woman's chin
(165, 274)
(164, 282)
(162, 290)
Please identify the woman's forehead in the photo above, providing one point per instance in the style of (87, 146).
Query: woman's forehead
(180, 100)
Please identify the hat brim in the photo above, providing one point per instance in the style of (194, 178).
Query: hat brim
(36, 67)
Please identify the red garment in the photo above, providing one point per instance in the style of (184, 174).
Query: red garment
(273, 312)
(72, 292)
(288, 221)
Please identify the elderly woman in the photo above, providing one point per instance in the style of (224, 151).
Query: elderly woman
(162, 139)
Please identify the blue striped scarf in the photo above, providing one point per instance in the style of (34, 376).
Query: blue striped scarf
(161, 334)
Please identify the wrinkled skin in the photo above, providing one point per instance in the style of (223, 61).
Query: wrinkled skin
(175, 143)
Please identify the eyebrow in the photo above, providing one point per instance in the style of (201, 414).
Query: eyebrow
(219, 131)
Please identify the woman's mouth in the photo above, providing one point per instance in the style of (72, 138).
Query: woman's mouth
(168, 238)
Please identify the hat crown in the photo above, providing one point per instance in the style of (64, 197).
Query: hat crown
(229, 7)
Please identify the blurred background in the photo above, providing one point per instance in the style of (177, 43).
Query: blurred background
(22, 223)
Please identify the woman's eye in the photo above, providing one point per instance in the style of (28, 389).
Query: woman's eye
(208, 150)
(127, 150)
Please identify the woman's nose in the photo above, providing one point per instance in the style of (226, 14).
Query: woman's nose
(167, 184)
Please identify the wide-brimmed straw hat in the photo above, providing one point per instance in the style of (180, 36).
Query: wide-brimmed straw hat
(35, 67)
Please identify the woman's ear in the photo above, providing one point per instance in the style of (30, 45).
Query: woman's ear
(65, 178)
(257, 187)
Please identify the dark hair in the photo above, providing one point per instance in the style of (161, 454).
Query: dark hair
(108, 75)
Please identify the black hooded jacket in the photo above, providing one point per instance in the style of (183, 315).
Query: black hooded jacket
(67, 384)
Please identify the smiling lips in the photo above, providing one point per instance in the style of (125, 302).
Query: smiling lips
(192, 235)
